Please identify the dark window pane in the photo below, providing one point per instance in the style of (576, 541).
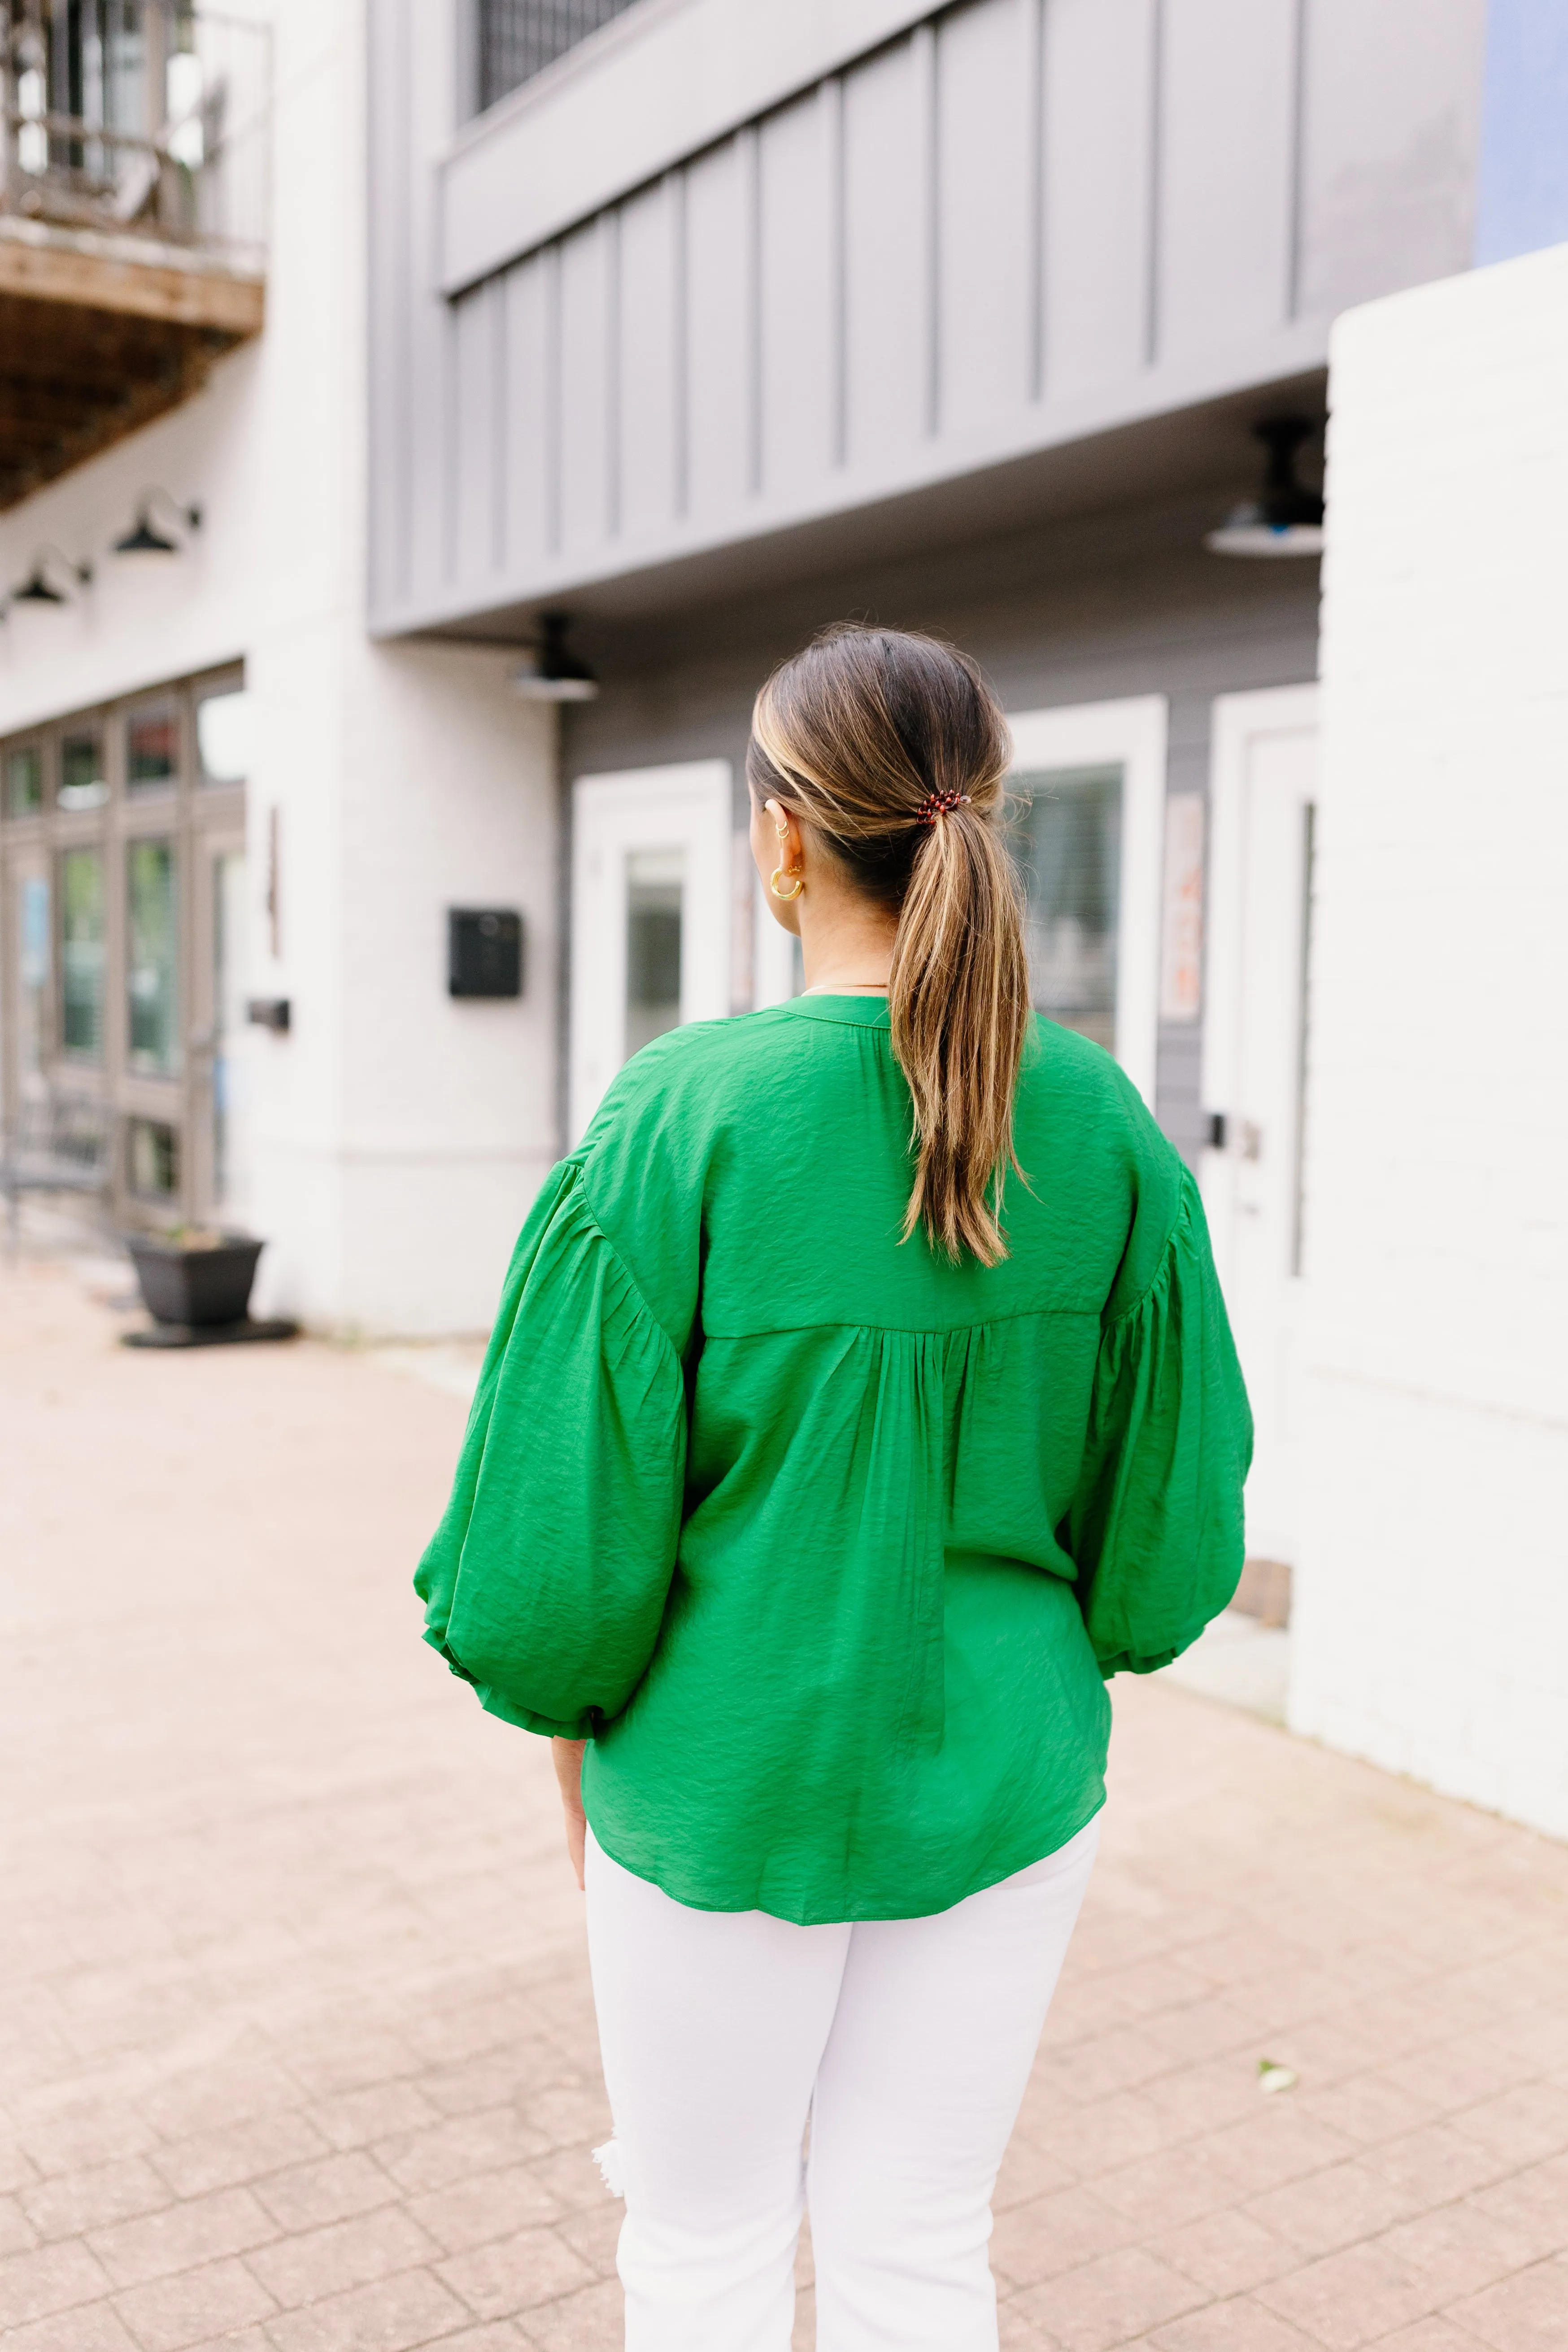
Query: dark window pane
(153, 748)
(517, 38)
(25, 781)
(32, 975)
(81, 953)
(1071, 852)
(82, 782)
(152, 1159)
(653, 944)
(151, 955)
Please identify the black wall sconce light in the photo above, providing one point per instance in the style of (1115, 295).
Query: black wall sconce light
(554, 675)
(144, 538)
(1286, 517)
(39, 588)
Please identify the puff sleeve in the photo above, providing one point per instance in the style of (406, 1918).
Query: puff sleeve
(1156, 1521)
(545, 1584)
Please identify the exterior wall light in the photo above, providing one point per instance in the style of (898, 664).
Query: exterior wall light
(554, 675)
(1287, 519)
(39, 589)
(144, 538)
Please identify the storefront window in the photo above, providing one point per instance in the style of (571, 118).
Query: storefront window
(152, 956)
(152, 1159)
(25, 781)
(153, 748)
(1070, 851)
(83, 785)
(122, 906)
(81, 953)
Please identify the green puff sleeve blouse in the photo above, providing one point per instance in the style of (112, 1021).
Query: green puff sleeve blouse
(827, 1545)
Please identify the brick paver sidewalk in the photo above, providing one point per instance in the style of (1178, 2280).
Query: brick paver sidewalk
(296, 2048)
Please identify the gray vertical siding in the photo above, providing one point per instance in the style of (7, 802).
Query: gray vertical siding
(1009, 225)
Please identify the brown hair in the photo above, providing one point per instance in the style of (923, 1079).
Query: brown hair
(892, 747)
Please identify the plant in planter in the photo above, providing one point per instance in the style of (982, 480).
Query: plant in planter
(193, 1276)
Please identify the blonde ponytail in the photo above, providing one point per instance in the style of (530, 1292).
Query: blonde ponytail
(894, 749)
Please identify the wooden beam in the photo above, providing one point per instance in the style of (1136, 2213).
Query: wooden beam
(87, 272)
(22, 404)
(87, 425)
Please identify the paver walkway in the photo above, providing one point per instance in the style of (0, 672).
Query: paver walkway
(296, 2047)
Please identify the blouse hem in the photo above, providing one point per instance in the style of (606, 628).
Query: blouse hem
(809, 1916)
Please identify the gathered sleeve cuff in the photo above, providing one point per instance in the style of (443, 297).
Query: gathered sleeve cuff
(546, 1582)
(1156, 1522)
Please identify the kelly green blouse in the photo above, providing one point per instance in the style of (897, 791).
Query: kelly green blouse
(825, 1544)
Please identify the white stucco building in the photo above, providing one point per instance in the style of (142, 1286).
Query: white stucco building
(1431, 1628)
(386, 1141)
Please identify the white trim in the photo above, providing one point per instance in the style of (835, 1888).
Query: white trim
(686, 805)
(1130, 735)
(1238, 721)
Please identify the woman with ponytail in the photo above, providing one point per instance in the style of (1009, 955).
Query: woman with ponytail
(861, 1400)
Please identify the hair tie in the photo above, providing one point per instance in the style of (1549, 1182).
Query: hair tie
(937, 804)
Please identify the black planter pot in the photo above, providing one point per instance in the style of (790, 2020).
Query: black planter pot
(196, 1286)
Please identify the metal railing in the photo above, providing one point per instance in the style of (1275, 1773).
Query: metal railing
(140, 117)
(517, 38)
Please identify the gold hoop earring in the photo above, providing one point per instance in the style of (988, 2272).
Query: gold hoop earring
(774, 885)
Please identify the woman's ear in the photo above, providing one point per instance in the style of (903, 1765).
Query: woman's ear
(786, 835)
(778, 850)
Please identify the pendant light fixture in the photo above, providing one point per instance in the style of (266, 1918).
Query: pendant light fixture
(554, 675)
(1286, 518)
(144, 538)
(38, 588)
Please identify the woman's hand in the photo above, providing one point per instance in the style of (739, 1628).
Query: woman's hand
(568, 1755)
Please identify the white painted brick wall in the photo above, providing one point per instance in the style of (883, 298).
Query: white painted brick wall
(1432, 1618)
(397, 1138)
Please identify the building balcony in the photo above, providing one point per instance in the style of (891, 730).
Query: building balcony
(134, 209)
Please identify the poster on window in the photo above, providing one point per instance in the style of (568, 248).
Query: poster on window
(1182, 928)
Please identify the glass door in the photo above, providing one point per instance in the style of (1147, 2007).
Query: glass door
(652, 879)
(122, 938)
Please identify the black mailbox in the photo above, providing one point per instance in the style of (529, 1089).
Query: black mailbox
(484, 951)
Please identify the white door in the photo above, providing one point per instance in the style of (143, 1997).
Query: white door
(652, 880)
(1254, 1069)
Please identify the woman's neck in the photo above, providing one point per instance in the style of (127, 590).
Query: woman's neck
(845, 945)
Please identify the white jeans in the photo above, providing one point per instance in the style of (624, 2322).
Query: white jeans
(908, 2041)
